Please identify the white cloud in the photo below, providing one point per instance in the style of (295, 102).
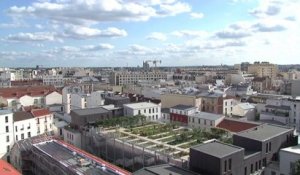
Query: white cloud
(157, 36)
(81, 32)
(103, 46)
(173, 9)
(190, 33)
(33, 37)
(196, 15)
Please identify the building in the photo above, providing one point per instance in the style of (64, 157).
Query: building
(295, 88)
(25, 126)
(261, 84)
(54, 80)
(204, 120)
(170, 100)
(118, 101)
(211, 102)
(82, 117)
(164, 169)
(45, 155)
(53, 98)
(235, 126)
(179, 113)
(165, 115)
(124, 78)
(228, 103)
(244, 111)
(288, 158)
(251, 152)
(152, 111)
(16, 97)
(44, 120)
(72, 136)
(6, 132)
(7, 169)
(263, 69)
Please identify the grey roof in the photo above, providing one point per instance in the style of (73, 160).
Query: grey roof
(164, 169)
(165, 110)
(210, 94)
(264, 132)
(3, 112)
(207, 116)
(116, 98)
(90, 111)
(217, 149)
(22, 115)
(279, 107)
(182, 107)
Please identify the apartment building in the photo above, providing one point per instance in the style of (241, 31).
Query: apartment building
(251, 152)
(54, 80)
(44, 120)
(25, 126)
(123, 78)
(228, 103)
(6, 132)
(211, 102)
(152, 111)
(180, 113)
(170, 100)
(204, 120)
(263, 69)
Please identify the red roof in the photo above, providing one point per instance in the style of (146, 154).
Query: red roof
(7, 169)
(235, 126)
(40, 112)
(17, 92)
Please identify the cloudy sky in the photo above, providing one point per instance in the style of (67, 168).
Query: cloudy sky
(126, 32)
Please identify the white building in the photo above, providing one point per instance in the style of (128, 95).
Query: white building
(79, 101)
(53, 98)
(66, 96)
(204, 120)
(228, 104)
(150, 110)
(288, 157)
(6, 132)
(24, 125)
(44, 120)
(245, 111)
(55, 80)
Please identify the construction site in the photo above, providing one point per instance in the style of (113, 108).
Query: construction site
(49, 156)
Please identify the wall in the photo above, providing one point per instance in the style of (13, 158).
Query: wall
(53, 98)
(4, 134)
(170, 100)
(24, 127)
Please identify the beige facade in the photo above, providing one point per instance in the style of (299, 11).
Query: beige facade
(170, 100)
(263, 69)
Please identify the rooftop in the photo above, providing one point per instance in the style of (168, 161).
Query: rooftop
(292, 149)
(165, 110)
(235, 125)
(282, 107)
(164, 169)
(141, 105)
(217, 149)
(264, 132)
(40, 112)
(22, 115)
(207, 116)
(210, 94)
(4, 112)
(7, 169)
(90, 111)
(17, 92)
(77, 160)
(246, 106)
(117, 98)
(183, 107)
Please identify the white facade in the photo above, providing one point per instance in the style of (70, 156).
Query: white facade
(24, 129)
(72, 136)
(6, 132)
(244, 110)
(288, 157)
(78, 101)
(66, 96)
(204, 120)
(53, 98)
(228, 105)
(44, 123)
(188, 111)
(150, 110)
(55, 80)
(122, 78)
(96, 99)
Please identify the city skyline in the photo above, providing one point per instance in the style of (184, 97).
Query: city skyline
(119, 33)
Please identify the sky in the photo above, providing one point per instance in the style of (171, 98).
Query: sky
(119, 33)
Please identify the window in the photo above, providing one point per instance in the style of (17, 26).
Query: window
(139, 112)
(270, 147)
(35, 101)
(256, 166)
(16, 127)
(267, 145)
(17, 138)
(28, 134)
(149, 111)
(226, 103)
(156, 117)
(245, 171)
(38, 121)
(7, 138)
(7, 129)
(199, 121)
(153, 110)
(251, 168)
(22, 136)
(6, 119)
(193, 120)
(259, 164)
(229, 164)
(7, 148)
(225, 165)
(144, 110)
